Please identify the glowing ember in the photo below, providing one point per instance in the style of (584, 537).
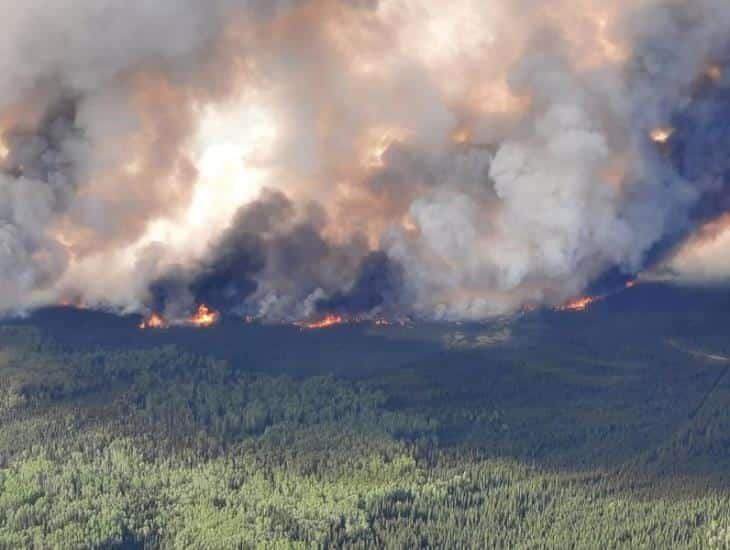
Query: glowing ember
(154, 321)
(204, 317)
(661, 135)
(327, 322)
(579, 304)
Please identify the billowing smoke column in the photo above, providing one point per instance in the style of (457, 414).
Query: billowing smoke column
(273, 262)
(295, 158)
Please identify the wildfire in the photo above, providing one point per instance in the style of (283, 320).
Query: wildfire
(661, 135)
(584, 302)
(326, 322)
(154, 321)
(204, 317)
(579, 304)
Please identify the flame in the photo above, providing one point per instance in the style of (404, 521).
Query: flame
(584, 302)
(204, 317)
(579, 304)
(662, 134)
(326, 322)
(154, 321)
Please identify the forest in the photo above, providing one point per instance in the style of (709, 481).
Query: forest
(604, 429)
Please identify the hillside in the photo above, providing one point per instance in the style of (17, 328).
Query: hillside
(499, 434)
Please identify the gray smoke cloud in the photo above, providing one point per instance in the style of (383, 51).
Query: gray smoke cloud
(273, 263)
(448, 163)
(98, 101)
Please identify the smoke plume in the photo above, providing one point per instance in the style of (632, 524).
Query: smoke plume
(286, 159)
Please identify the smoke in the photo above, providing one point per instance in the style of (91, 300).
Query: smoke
(273, 263)
(291, 158)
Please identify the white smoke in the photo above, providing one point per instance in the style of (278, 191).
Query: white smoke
(498, 152)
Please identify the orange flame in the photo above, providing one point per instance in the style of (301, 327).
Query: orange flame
(154, 321)
(204, 317)
(661, 135)
(579, 304)
(326, 322)
(584, 302)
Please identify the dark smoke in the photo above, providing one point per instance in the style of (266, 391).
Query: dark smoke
(700, 150)
(274, 254)
(378, 285)
(451, 162)
(47, 152)
(698, 153)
